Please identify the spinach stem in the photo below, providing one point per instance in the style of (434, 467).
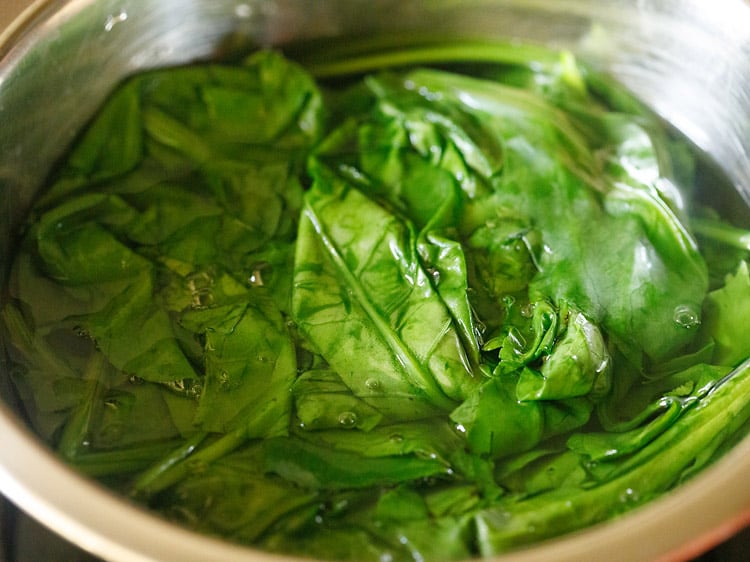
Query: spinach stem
(166, 471)
(186, 459)
(721, 232)
(120, 461)
(30, 344)
(75, 436)
(454, 52)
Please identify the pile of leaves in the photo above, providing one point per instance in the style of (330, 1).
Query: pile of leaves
(420, 313)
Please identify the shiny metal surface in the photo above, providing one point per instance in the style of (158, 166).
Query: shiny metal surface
(688, 59)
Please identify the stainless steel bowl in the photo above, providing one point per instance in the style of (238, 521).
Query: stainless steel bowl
(688, 59)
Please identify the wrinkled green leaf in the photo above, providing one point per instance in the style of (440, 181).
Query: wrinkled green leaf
(365, 282)
(727, 311)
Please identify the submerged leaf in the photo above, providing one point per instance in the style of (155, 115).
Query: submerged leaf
(368, 306)
(727, 313)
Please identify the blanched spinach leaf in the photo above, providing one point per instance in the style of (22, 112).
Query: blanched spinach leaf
(727, 311)
(368, 306)
(249, 367)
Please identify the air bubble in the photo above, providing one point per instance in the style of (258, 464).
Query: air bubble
(629, 496)
(372, 384)
(347, 419)
(199, 284)
(112, 404)
(686, 316)
(202, 299)
(115, 19)
(243, 11)
(178, 385)
(255, 279)
(195, 391)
